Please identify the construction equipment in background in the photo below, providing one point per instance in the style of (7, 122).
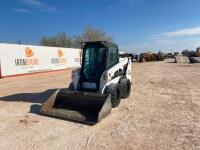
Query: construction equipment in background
(169, 56)
(96, 87)
(142, 57)
(147, 56)
(160, 56)
(198, 52)
(194, 59)
(181, 59)
(188, 56)
(188, 53)
(134, 57)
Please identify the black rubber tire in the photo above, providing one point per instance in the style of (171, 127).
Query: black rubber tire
(125, 88)
(114, 91)
(71, 87)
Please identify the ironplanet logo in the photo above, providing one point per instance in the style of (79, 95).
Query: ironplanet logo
(59, 59)
(29, 60)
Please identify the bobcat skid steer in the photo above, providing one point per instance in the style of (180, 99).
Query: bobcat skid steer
(96, 87)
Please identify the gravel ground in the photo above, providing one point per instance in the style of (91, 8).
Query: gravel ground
(163, 112)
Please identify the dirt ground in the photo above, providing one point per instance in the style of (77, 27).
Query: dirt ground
(163, 112)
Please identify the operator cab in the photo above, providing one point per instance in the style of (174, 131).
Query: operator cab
(97, 58)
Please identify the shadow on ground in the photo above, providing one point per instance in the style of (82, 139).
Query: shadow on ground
(38, 98)
(172, 62)
(34, 98)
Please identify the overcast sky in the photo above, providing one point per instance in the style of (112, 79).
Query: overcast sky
(135, 25)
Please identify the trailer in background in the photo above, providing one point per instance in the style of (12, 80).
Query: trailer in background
(24, 59)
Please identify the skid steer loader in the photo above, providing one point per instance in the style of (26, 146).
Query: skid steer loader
(96, 87)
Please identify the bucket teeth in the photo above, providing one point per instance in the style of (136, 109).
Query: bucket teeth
(77, 106)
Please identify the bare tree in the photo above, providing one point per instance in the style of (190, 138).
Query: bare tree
(60, 40)
(77, 40)
(48, 41)
(92, 34)
(63, 40)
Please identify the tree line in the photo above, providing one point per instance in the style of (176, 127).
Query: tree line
(64, 40)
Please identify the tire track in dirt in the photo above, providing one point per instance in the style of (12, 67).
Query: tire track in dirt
(123, 110)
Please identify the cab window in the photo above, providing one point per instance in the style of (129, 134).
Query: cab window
(113, 57)
(93, 62)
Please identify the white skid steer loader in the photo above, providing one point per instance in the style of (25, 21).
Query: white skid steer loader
(96, 87)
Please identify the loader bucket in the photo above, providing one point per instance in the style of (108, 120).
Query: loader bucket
(77, 106)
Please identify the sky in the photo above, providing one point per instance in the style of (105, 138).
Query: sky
(135, 25)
